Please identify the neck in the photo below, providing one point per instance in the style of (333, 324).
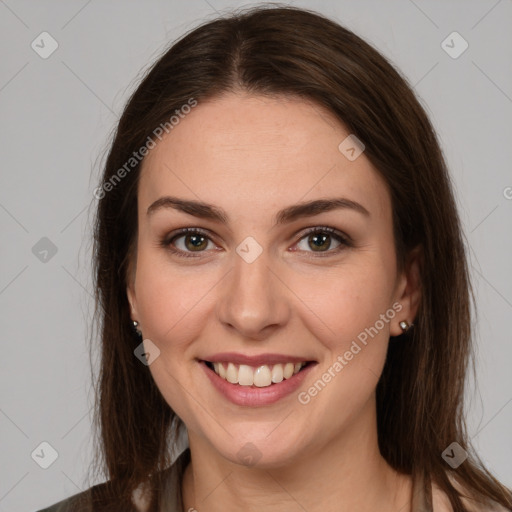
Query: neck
(344, 474)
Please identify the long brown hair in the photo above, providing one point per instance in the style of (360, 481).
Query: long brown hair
(271, 50)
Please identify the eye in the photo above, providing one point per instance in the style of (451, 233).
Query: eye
(187, 241)
(194, 240)
(320, 240)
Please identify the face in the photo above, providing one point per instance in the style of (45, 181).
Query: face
(260, 285)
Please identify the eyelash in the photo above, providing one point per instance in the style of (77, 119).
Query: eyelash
(344, 240)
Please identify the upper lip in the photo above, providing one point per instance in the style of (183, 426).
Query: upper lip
(256, 360)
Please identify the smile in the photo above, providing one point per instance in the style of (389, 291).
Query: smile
(259, 376)
(256, 384)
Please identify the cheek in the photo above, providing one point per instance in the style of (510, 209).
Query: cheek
(342, 303)
(351, 319)
(173, 307)
(171, 301)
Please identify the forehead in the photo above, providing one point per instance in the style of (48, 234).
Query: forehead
(259, 152)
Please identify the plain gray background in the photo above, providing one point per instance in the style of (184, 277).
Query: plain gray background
(57, 114)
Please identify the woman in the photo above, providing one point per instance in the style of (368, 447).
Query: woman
(280, 268)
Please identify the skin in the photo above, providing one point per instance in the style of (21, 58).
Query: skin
(252, 156)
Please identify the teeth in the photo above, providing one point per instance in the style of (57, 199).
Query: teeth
(288, 370)
(261, 377)
(245, 375)
(277, 373)
(232, 373)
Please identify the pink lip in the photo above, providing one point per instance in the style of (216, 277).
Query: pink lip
(258, 360)
(253, 396)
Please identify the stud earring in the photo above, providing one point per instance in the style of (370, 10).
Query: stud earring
(136, 325)
(405, 326)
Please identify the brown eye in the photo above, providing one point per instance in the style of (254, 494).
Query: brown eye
(186, 242)
(321, 240)
(195, 242)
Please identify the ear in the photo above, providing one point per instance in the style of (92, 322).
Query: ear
(408, 292)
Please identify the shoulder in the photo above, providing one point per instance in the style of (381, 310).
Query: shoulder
(79, 502)
(441, 502)
(99, 497)
(96, 498)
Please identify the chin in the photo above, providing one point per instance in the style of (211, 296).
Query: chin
(260, 451)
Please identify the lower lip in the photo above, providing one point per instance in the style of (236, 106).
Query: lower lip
(253, 396)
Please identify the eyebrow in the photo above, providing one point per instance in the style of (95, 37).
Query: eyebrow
(286, 215)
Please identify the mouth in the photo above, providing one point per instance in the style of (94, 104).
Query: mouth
(261, 376)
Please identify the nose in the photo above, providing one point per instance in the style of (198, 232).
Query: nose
(253, 300)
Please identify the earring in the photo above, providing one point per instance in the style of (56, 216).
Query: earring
(135, 325)
(405, 326)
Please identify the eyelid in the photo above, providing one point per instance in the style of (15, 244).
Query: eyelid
(327, 229)
(183, 231)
